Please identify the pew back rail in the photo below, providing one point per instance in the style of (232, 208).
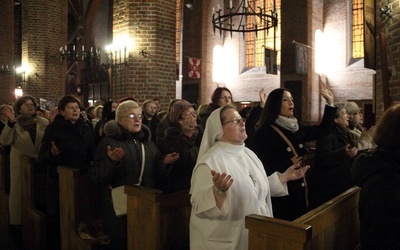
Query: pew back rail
(157, 221)
(333, 225)
(79, 201)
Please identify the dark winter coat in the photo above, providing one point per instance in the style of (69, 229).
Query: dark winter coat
(152, 125)
(206, 113)
(76, 145)
(180, 173)
(331, 174)
(126, 171)
(378, 175)
(276, 155)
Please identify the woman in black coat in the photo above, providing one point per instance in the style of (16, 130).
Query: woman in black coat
(118, 162)
(378, 175)
(335, 153)
(183, 138)
(277, 155)
(67, 141)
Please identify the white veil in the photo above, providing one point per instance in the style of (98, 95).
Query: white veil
(212, 132)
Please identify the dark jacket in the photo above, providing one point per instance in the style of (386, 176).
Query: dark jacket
(152, 125)
(206, 113)
(127, 171)
(378, 175)
(180, 173)
(76, 145)
(331, 174)
(276, 155)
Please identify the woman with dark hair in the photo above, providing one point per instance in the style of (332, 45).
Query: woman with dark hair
(219, 98)
(378, 175)
(280, 142)
(23, 132)
(67, 141)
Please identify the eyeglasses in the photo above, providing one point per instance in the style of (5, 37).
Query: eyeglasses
(192, 113)
(235, 121)
(133, 116)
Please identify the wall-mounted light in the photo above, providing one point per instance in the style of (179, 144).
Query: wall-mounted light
(21, 73)
(18, 92)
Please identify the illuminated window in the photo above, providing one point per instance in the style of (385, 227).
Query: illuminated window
(358, 29)
(270, 38)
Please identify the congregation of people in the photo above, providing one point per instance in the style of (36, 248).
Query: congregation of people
(257, 160)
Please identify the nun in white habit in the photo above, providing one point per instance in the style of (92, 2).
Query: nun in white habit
(228, 183)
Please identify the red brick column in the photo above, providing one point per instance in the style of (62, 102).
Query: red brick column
(7, 51)
(44, 30)
(150, 26)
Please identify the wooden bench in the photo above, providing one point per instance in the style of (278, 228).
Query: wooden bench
(333, 225)
(4, 194)
(79, 202)
(33, 193)
(157, 221)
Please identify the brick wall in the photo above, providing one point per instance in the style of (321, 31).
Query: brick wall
(7, 85)
(44, 30)
(151, 27)
(391, 29)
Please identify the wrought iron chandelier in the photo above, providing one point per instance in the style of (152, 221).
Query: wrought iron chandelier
(236, 19)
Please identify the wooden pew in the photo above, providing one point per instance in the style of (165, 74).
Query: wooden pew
(333, 225)
(4, 194)
(157, 221)
(79, 202)
(33, 190)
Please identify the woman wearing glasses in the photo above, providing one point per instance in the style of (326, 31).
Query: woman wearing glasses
(228, 183)
(118, 162)
(280, 142)
(183, 138)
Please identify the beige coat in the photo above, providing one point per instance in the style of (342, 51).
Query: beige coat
(21, 144)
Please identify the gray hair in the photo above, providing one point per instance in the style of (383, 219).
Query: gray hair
(340, 106)
(125, 106)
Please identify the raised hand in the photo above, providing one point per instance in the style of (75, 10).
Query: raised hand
(116, 154)
(263, 97)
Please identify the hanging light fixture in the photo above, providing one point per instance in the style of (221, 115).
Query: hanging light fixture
(235, 19)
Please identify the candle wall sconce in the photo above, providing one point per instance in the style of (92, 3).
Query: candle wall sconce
(6, 69)
(72, 53)
(116, 56)
(144, 53)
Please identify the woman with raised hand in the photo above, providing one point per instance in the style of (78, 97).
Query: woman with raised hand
(228, 183)
(280, 142)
